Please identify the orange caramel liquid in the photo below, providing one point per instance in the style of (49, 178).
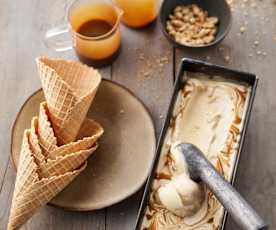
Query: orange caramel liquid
(94, 28)
(138, 13)
(97, 34)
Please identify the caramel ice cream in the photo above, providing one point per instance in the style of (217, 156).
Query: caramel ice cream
(209, 113)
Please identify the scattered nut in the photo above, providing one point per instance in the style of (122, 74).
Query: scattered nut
(242, 29)
(227, 58)
(190, 25)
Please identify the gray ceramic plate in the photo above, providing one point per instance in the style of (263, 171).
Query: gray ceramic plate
(120, 165)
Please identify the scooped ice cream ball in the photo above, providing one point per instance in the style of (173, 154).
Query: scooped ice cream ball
(181, 195)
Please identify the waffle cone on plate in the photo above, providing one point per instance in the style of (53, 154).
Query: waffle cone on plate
(56, 147)
(69, 88)
(31, 190)
(90, 132)
(48, 140)
(34, 142)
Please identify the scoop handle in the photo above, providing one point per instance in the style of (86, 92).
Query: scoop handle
(239, 209)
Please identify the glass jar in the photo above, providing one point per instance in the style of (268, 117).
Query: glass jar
(138, 13)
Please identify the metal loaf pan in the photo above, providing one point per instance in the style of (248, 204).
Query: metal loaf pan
(192, 65)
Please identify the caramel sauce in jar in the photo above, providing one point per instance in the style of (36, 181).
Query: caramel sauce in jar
(96, 34)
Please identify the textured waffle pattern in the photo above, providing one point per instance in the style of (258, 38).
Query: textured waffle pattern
(47, 139)
(89, 134)
(38, 182)
(24, 206)
(68, 162)
(34, 141)
(26, 167)
(56, 148)
(69, 89)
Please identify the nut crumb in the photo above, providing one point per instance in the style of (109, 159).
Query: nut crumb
(242, 29)
(227, 58)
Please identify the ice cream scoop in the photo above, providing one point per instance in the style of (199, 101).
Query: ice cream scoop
(200, 169)
(181, 196)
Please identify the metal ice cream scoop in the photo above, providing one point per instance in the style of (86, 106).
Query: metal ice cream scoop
(201, 169)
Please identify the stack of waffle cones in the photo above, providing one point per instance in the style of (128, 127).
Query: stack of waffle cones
(56, 147)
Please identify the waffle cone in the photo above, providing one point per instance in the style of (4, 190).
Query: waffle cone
(69, 89)
(56, 148)
(46, 135)
(90, 132)
(32, 191)
(34, 142)
(66, 163)
(38, 194)
(27, 168)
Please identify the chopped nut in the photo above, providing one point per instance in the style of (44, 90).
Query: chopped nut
(227, 58)
(213, 20)
(178, 15)
(242, 29)
(208, 39)
(190, 25)
(177, 9)
(192, 20)
(203, 32)
(195, 9)
(171, 17)
(177, 23)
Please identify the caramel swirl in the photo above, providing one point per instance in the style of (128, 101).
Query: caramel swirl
(208, 113)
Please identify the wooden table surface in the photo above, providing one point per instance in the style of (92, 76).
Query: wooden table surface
(147, 66)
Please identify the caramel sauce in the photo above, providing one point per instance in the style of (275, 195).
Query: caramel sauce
(237, 120)
(234, 129)
(160, 176)
(186, 92)
(98, 63)
(97, 35)
(94, 28)
(148, 216)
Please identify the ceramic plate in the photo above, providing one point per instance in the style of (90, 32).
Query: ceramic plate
(120, 165)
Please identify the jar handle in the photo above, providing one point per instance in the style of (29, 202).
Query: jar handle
(55, 38)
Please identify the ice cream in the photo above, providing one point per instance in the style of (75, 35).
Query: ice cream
(209, 113)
